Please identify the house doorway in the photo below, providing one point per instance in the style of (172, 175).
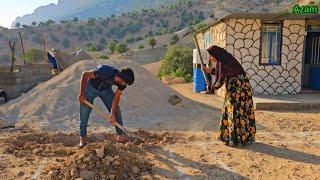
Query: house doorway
(311, 70)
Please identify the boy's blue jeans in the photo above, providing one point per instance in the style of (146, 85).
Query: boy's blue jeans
(106, 96)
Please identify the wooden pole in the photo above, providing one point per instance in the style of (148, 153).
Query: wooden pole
(22, 48)
(201, 60)
(13, 59)
(45, 58)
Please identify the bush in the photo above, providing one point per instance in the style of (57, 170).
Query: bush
(121, 48)
(75, 20)
(177, 62)
(91, 47)
(103, 56)
(66, 43)
(34, 55)
(139, 38)
(112, 46)
(91, 21)
(152, 42)
(140, 46)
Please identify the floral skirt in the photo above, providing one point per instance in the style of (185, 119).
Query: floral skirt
(237, 125)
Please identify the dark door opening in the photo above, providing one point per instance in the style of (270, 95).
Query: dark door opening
(311, 70)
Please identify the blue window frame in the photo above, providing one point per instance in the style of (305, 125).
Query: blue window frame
(270, 52)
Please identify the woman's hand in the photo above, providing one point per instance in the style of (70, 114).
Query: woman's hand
(207, 70)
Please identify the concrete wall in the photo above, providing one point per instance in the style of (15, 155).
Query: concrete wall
(16, 83)
(243, 41)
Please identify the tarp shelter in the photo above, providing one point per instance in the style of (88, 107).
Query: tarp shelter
(65, 60)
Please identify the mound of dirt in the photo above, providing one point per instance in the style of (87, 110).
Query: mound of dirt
(53, 105)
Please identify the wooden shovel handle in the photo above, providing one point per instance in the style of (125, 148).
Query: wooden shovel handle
(104, 115)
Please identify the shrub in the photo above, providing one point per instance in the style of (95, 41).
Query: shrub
(112, 46)
(121, 48)
(91, 47)
(91, 21)
(177, 62)
(34, 23)
(75, 20)
(103, 56)
(152, 42)
(17, 25)
(34, 55)
(139, 38)
(140, 46)
(66, 43)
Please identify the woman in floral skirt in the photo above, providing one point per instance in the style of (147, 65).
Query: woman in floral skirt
(237, 125)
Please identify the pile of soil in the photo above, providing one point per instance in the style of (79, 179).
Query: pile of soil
(53, 105)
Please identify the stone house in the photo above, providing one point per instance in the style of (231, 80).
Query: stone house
(279, 51)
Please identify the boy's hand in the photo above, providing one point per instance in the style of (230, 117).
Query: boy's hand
(207, 70)
(82, 99)
(112, 119)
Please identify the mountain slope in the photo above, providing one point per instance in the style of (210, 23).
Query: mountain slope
(84, 9)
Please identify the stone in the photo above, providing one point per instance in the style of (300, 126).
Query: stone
(279, 89)
(108, 160)
(178, 80)
(20, 173)
(293, 37)
(258, 90)
(253, 83)
(173, 100)
(295, 85)
(246, 65)
(290, 80)
(238, 44)
(302, 32)
(74, 172)
(247, 28)
(285, 74)
(262, 73)
(291, 64)
(116, 163)
(285, 85)
(300, 48)
(257, 78)
(247, 59)
(237, 54)
(264, 84)
(249, 21)
(285, 32)
(230, 31)
(281, 80)
(253, 51)
(293, 72)
(239, 35)
(100, 152)
(270, 90)
(255, 26)
(135, 170)
(292, 54)
(275, 73)
(230, 39)
(248, 43)
(256, 60)
(250, 72)
(300, 39)
(285, 40)
(254, 67)
(249, 35)
(230, 49)
(244, 52)
(86, 174)
(290, 89)
(238, 27)
(256, 44)
(269, 79)
(299, 67)
(232, 22)
(275, 85)
(287, 23)
(256, 35)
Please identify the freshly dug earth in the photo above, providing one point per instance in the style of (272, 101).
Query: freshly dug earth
(53, 105)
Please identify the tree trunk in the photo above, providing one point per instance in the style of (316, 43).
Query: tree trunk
(13, 59)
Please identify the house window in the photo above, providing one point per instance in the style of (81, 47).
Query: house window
(207, 40)
(271, 44)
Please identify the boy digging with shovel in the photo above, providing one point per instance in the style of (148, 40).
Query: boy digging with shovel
(98, 83)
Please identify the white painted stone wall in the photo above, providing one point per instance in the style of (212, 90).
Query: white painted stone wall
(243, 41)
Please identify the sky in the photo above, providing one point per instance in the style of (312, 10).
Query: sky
(14, 8)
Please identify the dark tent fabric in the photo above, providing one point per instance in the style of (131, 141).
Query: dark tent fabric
(64, 60)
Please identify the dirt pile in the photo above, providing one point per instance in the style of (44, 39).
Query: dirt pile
(53, 105)
(102, 158)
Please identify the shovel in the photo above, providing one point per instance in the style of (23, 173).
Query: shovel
(131, 136)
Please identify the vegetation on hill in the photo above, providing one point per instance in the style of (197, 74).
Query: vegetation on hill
(177, 62)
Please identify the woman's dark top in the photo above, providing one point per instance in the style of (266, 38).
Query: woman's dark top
(227, 66)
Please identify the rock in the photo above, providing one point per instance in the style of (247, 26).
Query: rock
(85, 174)
(178, 80)
(111, 176)
(135, 170)
(74, 172)
(116, 163)
(20, 173)
(100, 152)
(107, 160)
(173, 100)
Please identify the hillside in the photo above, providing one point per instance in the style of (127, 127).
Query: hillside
(132, 27)
(83, 9)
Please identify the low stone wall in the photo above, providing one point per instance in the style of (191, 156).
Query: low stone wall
(16, 83)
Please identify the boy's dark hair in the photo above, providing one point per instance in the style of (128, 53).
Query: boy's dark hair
(127, 75)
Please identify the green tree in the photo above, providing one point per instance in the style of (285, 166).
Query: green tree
(17, 25)
(66, 43)
(112, 46)
(49, 22)
(75, 20)
(91, 47)
(140, 46)
(34, 23)
(34, 55)
(152, 42)
(177, 62)
(91, 21)
(121, 48)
